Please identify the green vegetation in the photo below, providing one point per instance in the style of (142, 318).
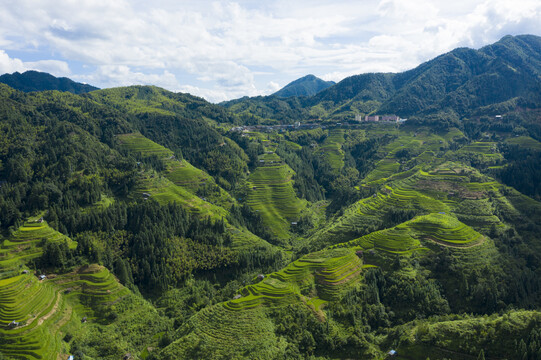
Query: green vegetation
(167, 227)
(270, 192)
(331, 149)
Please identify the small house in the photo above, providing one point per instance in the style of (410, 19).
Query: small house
(13, 324)
(40, 220)
(127, 356)
(236, 297)
(442, 213)
(294, 223)
(70, 357)
(83, 320)
(260, 277)
(392, 353)
(359, 253)
(43, 277)
(25, 271)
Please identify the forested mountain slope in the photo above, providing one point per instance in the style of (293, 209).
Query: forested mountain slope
(166, 228)
(457, 83)
(306, 86)
(40, 81)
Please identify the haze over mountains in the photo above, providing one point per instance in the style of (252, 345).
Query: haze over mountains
(140, 223)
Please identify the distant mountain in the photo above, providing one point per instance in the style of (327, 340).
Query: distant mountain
(40, 81)
(461, 82)
(306, 86)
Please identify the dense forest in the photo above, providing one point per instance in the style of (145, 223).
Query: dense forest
(139, 223)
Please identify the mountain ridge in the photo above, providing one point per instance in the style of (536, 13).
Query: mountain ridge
(459, 81)
(32, 80)
(305, 86)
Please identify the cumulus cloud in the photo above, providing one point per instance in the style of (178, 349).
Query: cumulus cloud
(224, 45)
(122, 75)
(11, 65)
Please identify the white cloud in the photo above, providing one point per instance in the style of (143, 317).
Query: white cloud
(223, 45)
(55, 67)
(122, 75)
(11, 65)
(273, 87)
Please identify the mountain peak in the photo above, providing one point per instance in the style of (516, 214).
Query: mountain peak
(305, 86)
(40, 81)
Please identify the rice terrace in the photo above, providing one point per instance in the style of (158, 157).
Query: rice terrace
(204, 204)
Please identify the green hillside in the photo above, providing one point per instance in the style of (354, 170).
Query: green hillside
(138, 223)
(306, 86)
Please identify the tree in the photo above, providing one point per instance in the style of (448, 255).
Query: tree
(481, 355)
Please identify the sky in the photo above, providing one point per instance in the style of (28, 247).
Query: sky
(223, 50)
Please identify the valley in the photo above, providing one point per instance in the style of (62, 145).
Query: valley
(137, 223)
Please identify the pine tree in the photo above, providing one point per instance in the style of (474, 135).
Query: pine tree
(481, 355)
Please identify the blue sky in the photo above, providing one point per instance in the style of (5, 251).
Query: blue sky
(223, 50)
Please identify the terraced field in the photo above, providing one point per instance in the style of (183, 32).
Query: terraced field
(384, 169)
(91, 287)
(445, 188)
(419, 234)
(226, 334)
(525, 141)
(271, 193)
(422, 146)
(313, 279)
(439, 228)
(164, 191)
(485, 153)
(138, 143)
(180, 182)
(324, 275)
(368, 211)
(331, 149)
(27, 243)
(32, 312)
(41, 313)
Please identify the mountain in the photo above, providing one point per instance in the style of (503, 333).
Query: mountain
(140, 223)
(40, 81)
(460, 83)
(306, 86)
